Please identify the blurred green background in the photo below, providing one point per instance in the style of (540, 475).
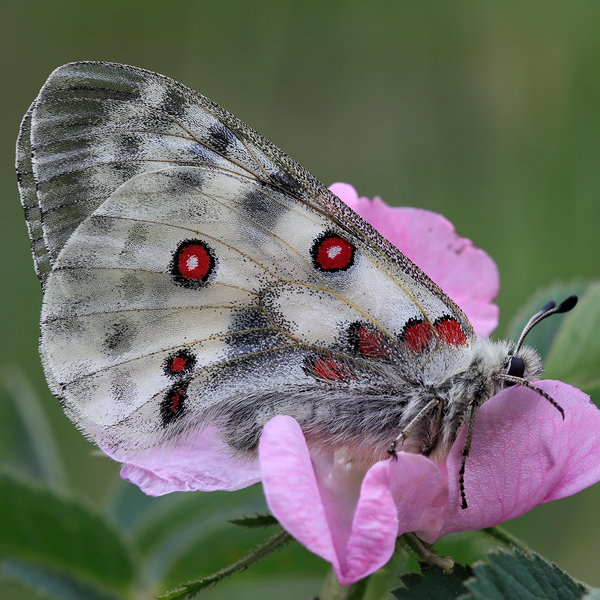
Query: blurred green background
(488, 112)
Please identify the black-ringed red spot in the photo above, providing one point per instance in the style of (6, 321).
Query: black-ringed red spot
(417, 335)
(173, 405)
(331, 252)
(180, 363)
(329, 369)
(450, 332)
(370, 342)
(192, 264)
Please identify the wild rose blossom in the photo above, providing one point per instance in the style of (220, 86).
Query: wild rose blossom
(522, 454)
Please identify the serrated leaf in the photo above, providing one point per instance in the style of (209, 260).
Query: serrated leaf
(510, 575)
(48, 529)
(433, 583)
(191, 589)
(52, 583)
(542, 335)
(575, 353)
(257, 522)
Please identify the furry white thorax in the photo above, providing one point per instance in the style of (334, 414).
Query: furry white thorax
(478, 383)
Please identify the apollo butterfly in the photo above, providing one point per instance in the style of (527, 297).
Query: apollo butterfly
(195, 276)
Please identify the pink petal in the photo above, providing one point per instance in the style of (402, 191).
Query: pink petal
(420, 493)
(524, 454)
(200, 463)
(466, 273)
(349, 520)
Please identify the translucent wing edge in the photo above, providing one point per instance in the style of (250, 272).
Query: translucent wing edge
(29, 200)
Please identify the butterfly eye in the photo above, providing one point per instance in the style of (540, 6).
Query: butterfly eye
(332, 253)
(516, 367)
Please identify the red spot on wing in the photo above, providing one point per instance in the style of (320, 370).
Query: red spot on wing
(194, 261)
(332, 370)
(178, 364)
(373, 344)
(450, 332)
(333, 253)
(417, 336)
(175, 397)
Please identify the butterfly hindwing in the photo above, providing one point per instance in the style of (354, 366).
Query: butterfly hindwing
(194, 274)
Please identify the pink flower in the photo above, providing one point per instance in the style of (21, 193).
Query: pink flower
(523, 454)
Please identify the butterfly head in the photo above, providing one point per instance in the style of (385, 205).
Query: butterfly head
(523, 362)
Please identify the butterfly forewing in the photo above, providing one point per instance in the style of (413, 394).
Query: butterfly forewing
(194, 274)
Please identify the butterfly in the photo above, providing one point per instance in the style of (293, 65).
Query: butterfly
(194, 275)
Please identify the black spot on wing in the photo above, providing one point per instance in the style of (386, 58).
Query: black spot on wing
(87, 92)
(261, 209)
(174, 104)
(173, 406)
(123, 391)
(220, 138)
(129, 146)
(120, 337)
(248, 318)
(189, 178)
(125, 170)
(246, 343)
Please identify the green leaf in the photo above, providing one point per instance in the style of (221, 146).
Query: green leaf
(191, 589)
(433, 583)
(542, 335)
(257, 522)
(130, 507)
(30, 430)
(575, 353)
(510, 575)
(182, 535)
(48, 529)
(181, 518)
(181, 531)
(52, 583)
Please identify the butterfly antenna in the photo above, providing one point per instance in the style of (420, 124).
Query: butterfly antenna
(548, 310)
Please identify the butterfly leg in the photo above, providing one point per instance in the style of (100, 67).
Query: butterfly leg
(431, 405)
(465, 452)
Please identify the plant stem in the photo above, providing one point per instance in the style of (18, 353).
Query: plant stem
(425, 552)
(334, 590)
(500, 534)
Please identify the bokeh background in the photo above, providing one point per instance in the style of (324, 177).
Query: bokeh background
(487, 112)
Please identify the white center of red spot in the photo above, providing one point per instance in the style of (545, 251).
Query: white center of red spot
(334, 251)
(192, 262)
